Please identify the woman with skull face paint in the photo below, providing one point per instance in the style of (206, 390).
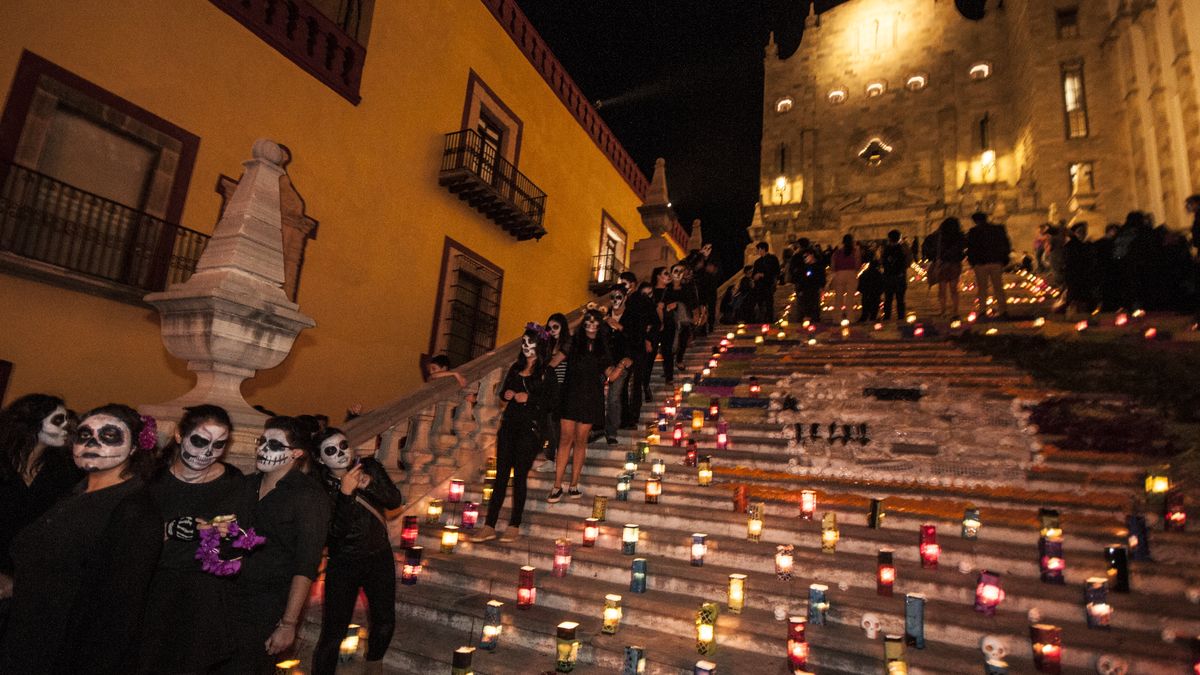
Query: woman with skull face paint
(616, 399)
(528, 389)
(185, 629)
(360, 555)
(290, 509)
(582, 408)
(36, 470)
(560, 348)
(83, 568)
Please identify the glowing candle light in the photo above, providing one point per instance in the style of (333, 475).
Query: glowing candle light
(818, 603)
(704, 473)
(526, 591)
(706, 629)
(629, 539)
(699, 548)
(409, 532)
(1121, 319)
(706, 372)
(348, 648)
(754, 525)
(797, 645)
(470, 516)
(704, 668)
(659, 468)
(489, 472)
(653, 438)
(829, 532)
(412, 565)
(1051, 524)
(286, 667)
(766, 328)
(885, 576)
(460, 664)
(677, 435)
(1095, 603)
(637, 576)
(755, 387)
(687, 387)
(893, 655)
(455, 494)
(493, 625)
(1158, 483)
(562, 557)
(1047, 647)
(599, 508)
(653, 490)
(988, 593)
(808, 504)
(1050, 552)
(1081, 326)
(1174, 514)
(1117, 567)
(449, 538)
(566, 647)
(697, 420)
(784, 562)
(591, 530)
(971, 523)
(914, 620)
(690, 458)
(713, 363)
(714, 408)
(623, 483)
(612, 614)
(737, 592)
(722, 435)
(1150, 333)
(631, 462)
(433, 512)
(1039, 322)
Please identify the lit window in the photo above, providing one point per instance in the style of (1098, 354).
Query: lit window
(783, 105)
(1066, 22)
(1074, 100)
(980, 71)
(875, 151)
(1082, 180)
(876, 89)
(837, 96)
(916, 82)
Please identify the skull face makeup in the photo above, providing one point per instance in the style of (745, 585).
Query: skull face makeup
(102, 442)
(273, 451)
(528, 346)
(335, 452)
(591, 325)
(204, 446)
(618, 298)
(554, 329)
(54, 428)
(676, 274)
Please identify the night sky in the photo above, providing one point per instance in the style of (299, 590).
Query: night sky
(682, 80)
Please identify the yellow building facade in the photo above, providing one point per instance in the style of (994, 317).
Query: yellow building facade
(140, 107)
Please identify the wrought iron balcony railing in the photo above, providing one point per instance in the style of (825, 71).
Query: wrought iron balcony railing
(605, 270)
(480, 176)
(52, 222)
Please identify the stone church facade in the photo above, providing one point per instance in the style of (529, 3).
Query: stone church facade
(898, 113)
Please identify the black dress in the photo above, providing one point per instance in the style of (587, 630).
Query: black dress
(583, 391)
(185, 630)
(22, 504)
(81, 575)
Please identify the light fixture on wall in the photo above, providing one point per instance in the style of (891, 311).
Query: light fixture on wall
(836, 96)
(876, 89)
(980, 71)
(916, 82)
(784, 104)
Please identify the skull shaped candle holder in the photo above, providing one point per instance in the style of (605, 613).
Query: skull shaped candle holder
(870, 624)
(994, 650)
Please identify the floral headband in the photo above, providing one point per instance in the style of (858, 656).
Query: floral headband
(148, 438)
(538, 330)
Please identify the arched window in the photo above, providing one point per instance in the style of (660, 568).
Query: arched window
(783, 105)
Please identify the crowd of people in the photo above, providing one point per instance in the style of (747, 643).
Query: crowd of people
(119, 556)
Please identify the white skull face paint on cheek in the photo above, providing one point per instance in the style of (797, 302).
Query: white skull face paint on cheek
(591, 325)
(553, 329)
(273, 451)
(677, 274)
(335, 452)
(101, 442)
(528, 346)
(204, 446)
(618, 299)
(54, 429)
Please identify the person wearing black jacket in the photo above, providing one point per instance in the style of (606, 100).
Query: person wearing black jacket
(360, 555)
(808, 276)
(615, 400)
(895, 261)
(589, 370)
(528, 389)
(988, 251)
(765, 274)
(639, 325)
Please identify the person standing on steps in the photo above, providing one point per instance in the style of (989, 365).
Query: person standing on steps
(640, 321)
(895, 262)
(590, 369)
(988, 251)
(664, 325)
(845, 263)
(945, 249)
(765, 275)
(870, 287)
(619, 349)
(560, 346)
(360, 555)
(529, 387)
(683, 290)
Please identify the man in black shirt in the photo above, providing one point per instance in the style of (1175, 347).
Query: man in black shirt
(765, 273)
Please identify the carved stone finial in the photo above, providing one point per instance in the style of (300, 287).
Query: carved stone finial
(269, 151)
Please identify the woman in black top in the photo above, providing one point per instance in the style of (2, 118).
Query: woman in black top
(291, 510)
(946, 249)
(527, 389)
(185, 630)
(589, 369)
(683, 292)
(665, 301)
(36, 470)
(82, 570)
(360, 555)
(560, 347)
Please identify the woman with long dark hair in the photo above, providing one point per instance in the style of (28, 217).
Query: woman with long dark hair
(185, 629)
(529, 387)
(664, 329)
(360, 555)
(36, 470)
(949, 247)
(582, 401)
(559, 351)
(845, 263)
(82, 570)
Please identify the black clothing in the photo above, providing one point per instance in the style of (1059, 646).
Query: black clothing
(988, 245)
(809, 279)
(185, 629)
(294, 518)
(870, 286)
(518, 439)
(360, 556)
(23, 504)
(583, 392)
(764, 287)
(952, 250)
(895, 261)
(81, 575)
(1079, 265)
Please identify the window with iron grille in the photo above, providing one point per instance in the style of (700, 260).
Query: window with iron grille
(1074, 100)
(468, 311)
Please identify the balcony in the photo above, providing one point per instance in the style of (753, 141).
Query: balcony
(605, 270)
(477, 173)
(310, 39)
(70, 232)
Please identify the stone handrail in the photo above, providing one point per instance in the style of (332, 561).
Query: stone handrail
(439, 431)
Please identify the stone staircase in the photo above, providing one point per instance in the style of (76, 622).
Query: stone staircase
(965, 443)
